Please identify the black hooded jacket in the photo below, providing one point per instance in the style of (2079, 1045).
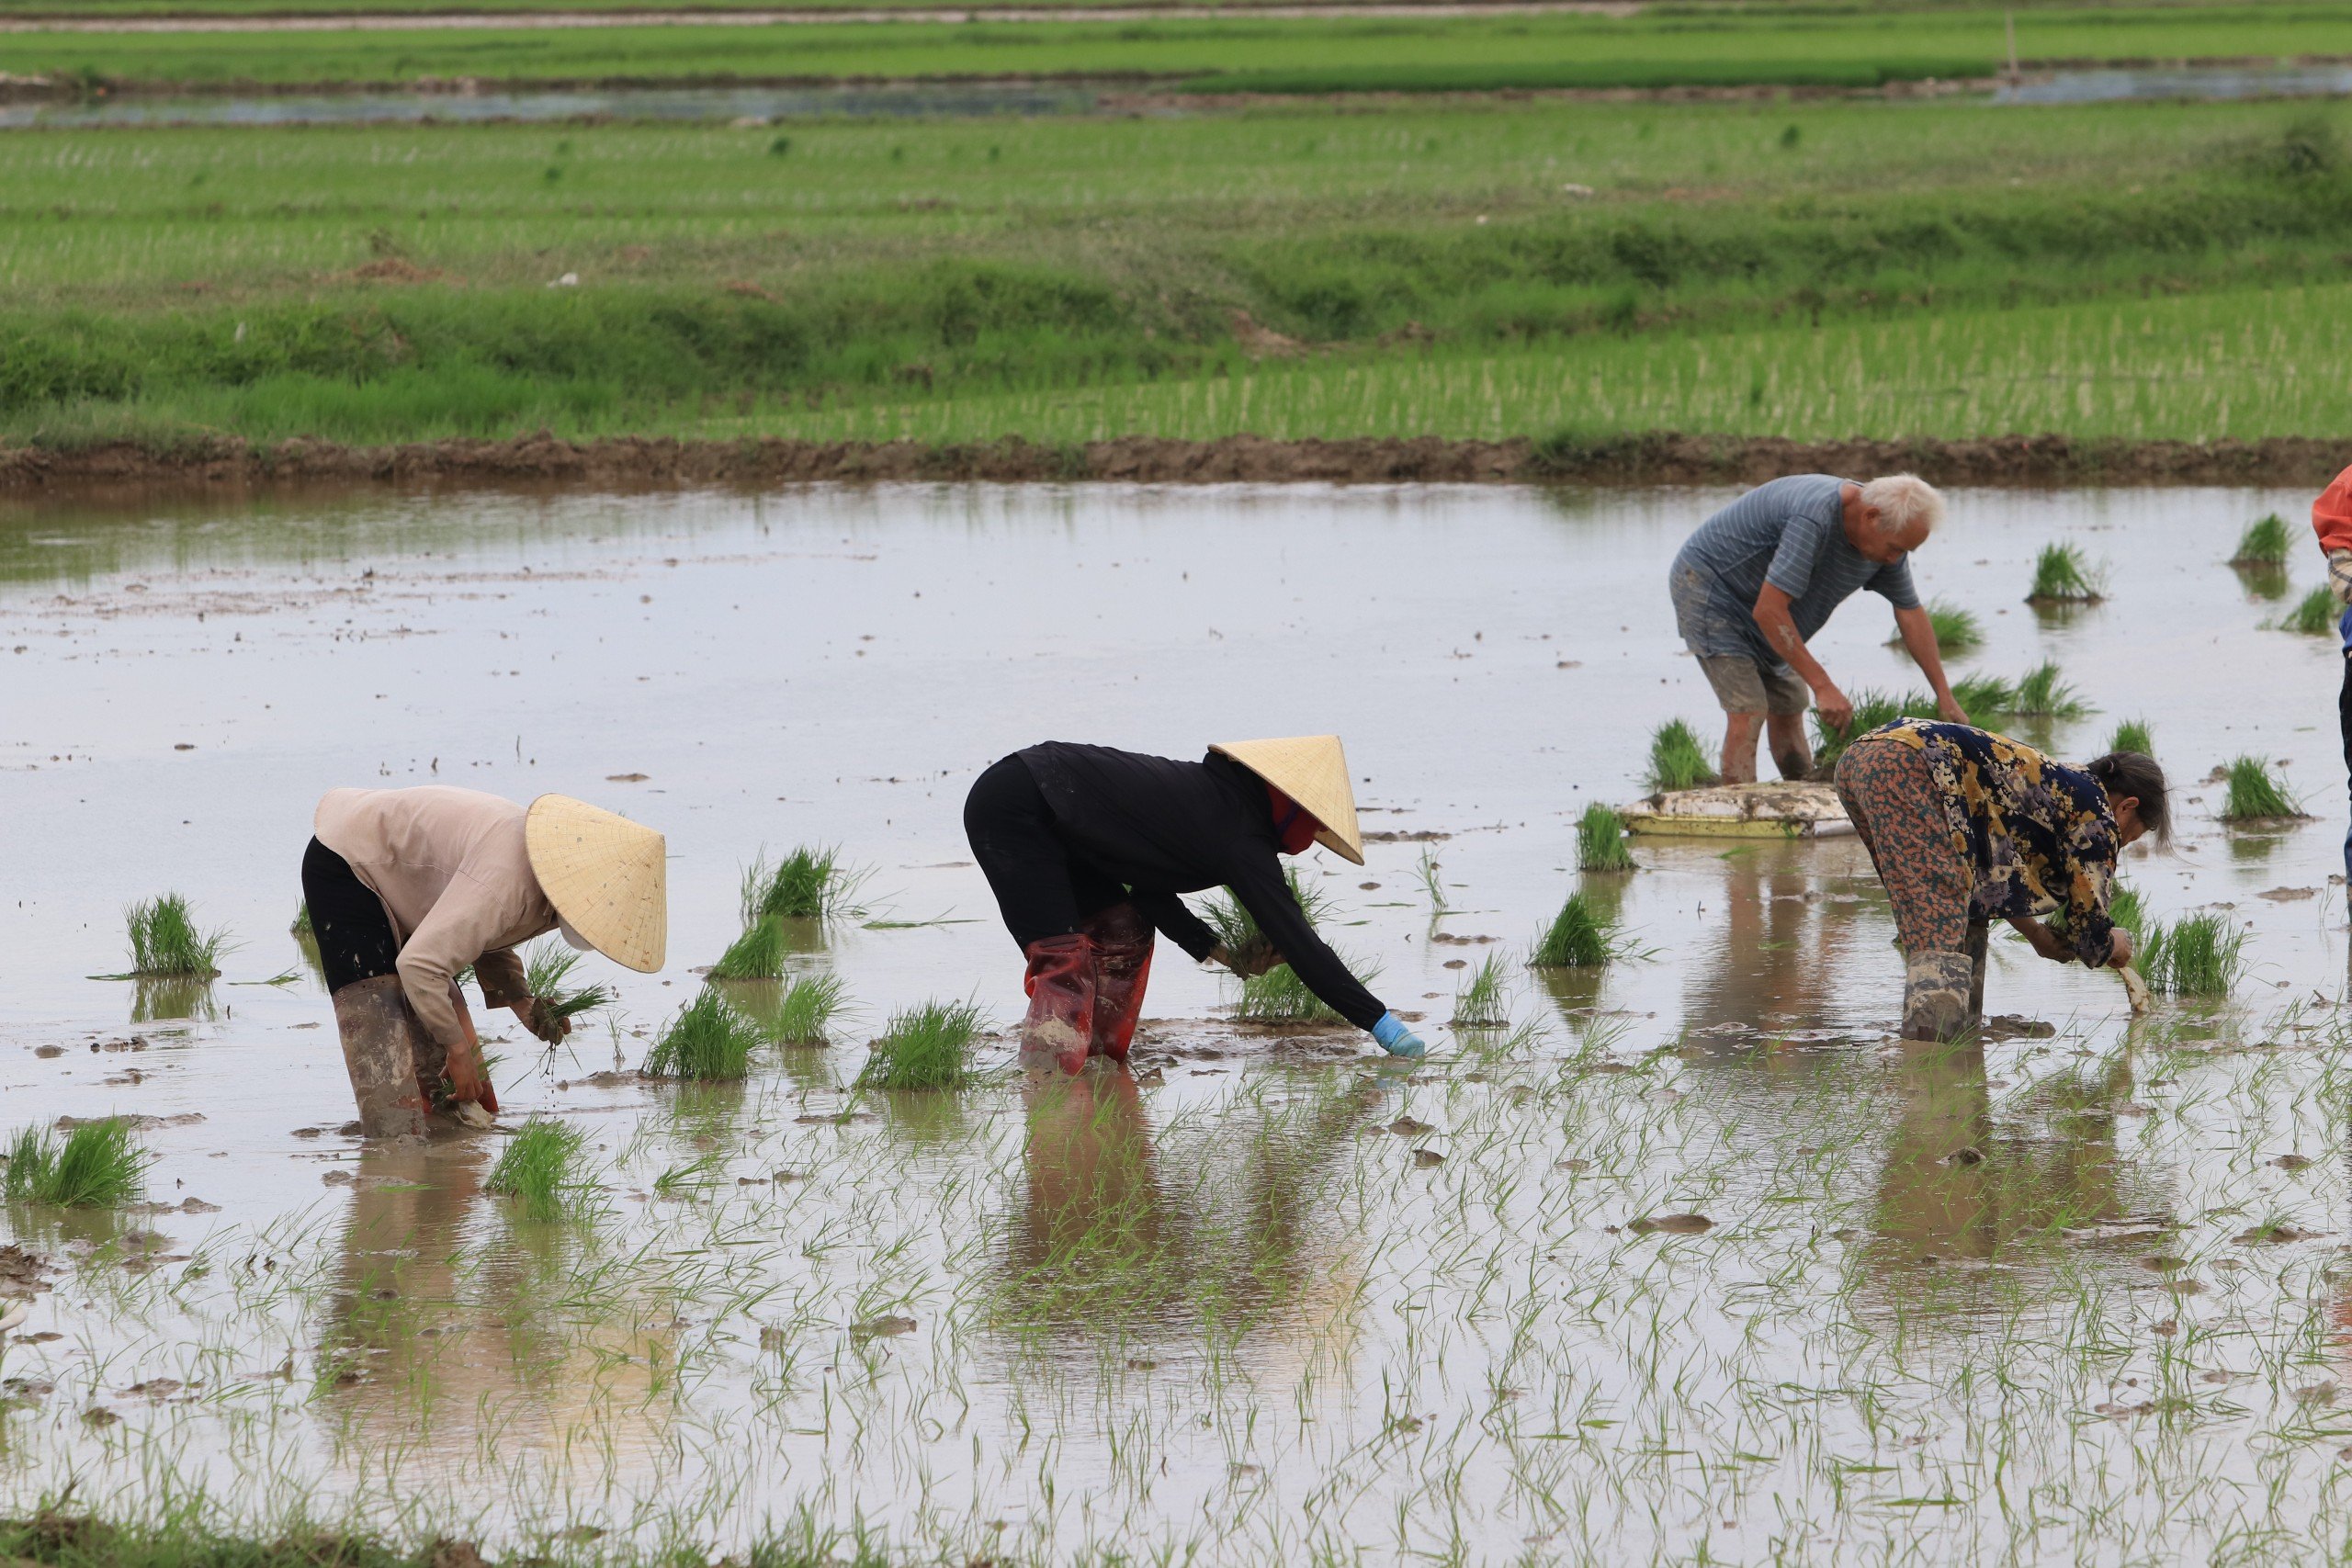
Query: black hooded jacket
(1162, 828)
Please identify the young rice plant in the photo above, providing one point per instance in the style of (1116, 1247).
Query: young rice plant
(707, 1040)
(540, 1168)
(95, 1165)
(2134, 735)
(1679, 759)
(2060, 576)
(757, 955)
(809, 884)
(1484, 1003)
(2315, 615)
(1578, 937)
(2263, 543)
(924, 1047)
(165, 941)
(1600, 841)
(546, 967)
(2254, 794)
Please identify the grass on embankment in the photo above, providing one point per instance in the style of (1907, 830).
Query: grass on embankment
(1073, 280)
(1766, 45)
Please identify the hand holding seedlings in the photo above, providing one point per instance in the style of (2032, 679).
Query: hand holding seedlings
(1252, 958)
(541, 1017)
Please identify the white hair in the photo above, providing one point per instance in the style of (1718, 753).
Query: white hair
(1900, 500)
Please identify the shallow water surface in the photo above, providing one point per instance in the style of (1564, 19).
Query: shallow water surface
(2074, 1296)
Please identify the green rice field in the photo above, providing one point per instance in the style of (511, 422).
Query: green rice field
(1462, 268)
(1771, 46)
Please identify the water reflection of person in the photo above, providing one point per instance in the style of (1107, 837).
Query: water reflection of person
(420, 1326)
(1101, 1232)
(1951, 1188)
(1771, 959)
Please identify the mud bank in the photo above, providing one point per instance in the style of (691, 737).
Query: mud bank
(1657, 459)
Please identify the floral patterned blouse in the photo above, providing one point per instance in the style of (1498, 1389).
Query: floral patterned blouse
(2038, 835)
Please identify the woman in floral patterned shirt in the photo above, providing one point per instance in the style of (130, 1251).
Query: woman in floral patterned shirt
(1967, 827)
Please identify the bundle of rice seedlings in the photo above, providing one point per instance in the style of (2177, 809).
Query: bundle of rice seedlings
(1432, 880)
(2123, 906)
(541, 1168)
(1871, 708)
(2041, 694)
(923, 1047)
(809, 884)
(806, 1014)
(1957, 630)
(2200, 956)
(2254, 794)
(546, 965)
(1279, 996)
(2315, 615)
(95, 1165)
(165, 941)
(1483, 1003)
(2060, 576)
(1600, 841)
(757, 955)
(2132, 735)
(1578, 937)
(1679, 759)
(2263, 543)
(707, 1040)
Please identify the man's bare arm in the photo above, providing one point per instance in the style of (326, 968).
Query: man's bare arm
(1781, 633)
(1919, 638)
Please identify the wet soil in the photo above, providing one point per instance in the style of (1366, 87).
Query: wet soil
(1663, 457)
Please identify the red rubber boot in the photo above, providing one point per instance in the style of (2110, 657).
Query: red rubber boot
(1061, 999)
(1122, 942)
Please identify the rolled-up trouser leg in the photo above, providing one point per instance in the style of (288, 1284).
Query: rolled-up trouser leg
(1897, 809)
(382, 1047)
(1935, 995)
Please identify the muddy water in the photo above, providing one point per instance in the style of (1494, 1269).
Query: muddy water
(1946, 1299)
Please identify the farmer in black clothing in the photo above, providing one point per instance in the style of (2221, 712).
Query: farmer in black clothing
(1087, 850)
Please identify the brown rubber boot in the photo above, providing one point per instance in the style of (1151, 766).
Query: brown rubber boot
(1061, 999)
(1935, 995)
(1122, 942)
(385, 1049)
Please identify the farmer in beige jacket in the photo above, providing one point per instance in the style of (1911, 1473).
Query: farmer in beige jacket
(406, 887)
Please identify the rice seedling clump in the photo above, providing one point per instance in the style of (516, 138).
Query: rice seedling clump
(707, 1040)
(1578, 937)
(809, 884)
(547, 973)
(302, 925)
(1677, 759)
(96, 1165)
(2041, 694)
(924, 1047)
(2254, 794)
(1279, 996)
(2200, 956)
(1600, 841)
(1957, 630)
(540, 1168)
(2134, 735)
(757, 955)
(2315, 615)
(2263, 543)
(2060, 576)
(165, 941)
(1483, 1003)
(805, 1015)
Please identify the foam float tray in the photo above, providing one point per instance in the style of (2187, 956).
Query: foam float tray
(1775, 810)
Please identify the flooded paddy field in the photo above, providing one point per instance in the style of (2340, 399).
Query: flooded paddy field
(2079, 1295)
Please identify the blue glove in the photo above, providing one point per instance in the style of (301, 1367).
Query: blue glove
(1397, 1039)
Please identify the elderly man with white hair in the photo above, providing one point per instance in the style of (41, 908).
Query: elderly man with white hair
(1762, 575)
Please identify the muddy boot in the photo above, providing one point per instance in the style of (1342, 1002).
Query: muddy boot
(1061, 999)
(1979, 936)
(1122, 942)
(1935, 995)
(382, 1041)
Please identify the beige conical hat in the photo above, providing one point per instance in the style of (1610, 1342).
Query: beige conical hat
(1313, 771)
(608, 877)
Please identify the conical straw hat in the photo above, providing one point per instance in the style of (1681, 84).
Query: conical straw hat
(1313, 771)
(608, 877)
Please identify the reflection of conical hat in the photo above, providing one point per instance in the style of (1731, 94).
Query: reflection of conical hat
(1313, 771)
(608, 877)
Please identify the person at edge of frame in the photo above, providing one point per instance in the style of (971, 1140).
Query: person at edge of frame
(2332, 521)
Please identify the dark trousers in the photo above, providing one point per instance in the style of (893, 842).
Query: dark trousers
(2344, 721)
(355, 936)
(1041, 888)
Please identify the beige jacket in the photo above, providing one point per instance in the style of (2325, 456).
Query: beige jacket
(451, 868)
